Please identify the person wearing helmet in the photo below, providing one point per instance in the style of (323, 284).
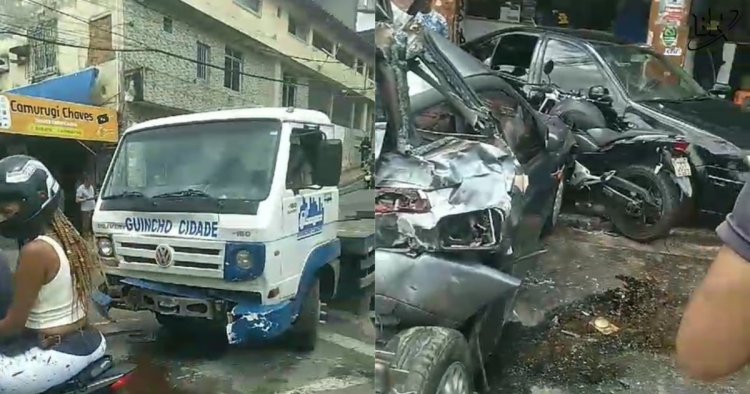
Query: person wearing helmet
(52, 341)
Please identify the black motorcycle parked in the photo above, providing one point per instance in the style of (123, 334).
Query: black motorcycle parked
(642, 177)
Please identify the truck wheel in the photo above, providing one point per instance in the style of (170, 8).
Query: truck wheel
(437, 360)
(304, 331)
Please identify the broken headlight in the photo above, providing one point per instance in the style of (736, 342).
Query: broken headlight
(390, 200)
(479, 230)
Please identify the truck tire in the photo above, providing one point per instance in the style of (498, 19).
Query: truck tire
(304, 332)
(437, 359)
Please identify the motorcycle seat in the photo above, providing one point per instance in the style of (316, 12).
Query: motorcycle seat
(86, 376)
(604, 136)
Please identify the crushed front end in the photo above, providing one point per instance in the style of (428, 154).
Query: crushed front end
(442, 232)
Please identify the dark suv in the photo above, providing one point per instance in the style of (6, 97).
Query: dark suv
(646, 88)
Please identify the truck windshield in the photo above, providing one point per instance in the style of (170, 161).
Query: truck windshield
(228, 160)
(647, 76)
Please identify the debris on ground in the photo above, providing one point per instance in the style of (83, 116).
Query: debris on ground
(604, 326)
(566, 350)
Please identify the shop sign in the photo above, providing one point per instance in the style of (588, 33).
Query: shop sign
(669, 35)
(48, 118)
(673, 51)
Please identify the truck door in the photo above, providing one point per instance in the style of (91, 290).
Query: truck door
(307, 207)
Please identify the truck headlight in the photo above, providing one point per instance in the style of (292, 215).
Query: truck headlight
(244, 260)
(104, 247)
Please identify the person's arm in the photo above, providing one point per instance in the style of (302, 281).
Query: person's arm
(30, 276)
(714, 336)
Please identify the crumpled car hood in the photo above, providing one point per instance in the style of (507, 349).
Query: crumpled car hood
(453, 174)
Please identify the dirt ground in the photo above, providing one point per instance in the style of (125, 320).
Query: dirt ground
(640, 289)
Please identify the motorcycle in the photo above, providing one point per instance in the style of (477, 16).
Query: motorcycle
(101, 377)
(643, 176)
(367, 162)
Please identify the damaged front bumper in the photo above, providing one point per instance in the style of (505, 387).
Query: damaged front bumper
(435, 290)
(246, 319)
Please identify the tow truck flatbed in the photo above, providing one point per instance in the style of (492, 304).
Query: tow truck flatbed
(357, 236)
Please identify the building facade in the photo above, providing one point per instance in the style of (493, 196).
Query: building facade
(365, 15)
(164, 57)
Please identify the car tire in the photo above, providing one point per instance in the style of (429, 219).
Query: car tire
(557, 202)
(304, 332)
(434, 357)
(671, 204)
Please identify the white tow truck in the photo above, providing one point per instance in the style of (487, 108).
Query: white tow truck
(231, 217)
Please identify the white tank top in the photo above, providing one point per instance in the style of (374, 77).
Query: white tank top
(57, 304)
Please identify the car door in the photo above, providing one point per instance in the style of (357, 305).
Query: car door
(521, 132)
(514, 56)
(576, 68)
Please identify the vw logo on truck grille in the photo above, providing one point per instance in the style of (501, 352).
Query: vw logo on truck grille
(164, 256)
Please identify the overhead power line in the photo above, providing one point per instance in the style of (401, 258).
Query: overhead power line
(164, 52)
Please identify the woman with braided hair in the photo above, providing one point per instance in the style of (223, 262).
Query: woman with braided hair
(51, 338)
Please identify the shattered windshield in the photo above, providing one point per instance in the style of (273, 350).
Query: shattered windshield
(647, 76)
(224, 160)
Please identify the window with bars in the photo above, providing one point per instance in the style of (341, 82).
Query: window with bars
(203, 60)
(232, 69)
(289, 91)
(43, 49)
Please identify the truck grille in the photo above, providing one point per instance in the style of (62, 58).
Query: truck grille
(191, 257)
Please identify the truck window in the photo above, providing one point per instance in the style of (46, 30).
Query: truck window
(302, 160)
(514, 54)
(517, 122)
(232, 160)
(575, 68)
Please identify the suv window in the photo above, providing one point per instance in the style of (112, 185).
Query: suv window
(517, 122)
(575, 68)
(513, 55)
(436, 118)
(483, 49)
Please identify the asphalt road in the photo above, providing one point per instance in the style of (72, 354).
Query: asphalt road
(553, 348)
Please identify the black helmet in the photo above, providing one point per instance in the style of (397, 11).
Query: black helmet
(26, 181)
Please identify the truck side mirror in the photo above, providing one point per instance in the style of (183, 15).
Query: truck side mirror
(328, 168)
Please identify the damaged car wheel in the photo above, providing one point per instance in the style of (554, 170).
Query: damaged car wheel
(437, 360)
(557, 202)
(304, 332)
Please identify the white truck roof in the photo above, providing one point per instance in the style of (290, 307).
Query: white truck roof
(283, 114)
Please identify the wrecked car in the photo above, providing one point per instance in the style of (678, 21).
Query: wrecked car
(645, 87)
(457, 220)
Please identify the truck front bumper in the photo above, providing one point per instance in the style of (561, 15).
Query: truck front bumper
(246, 319)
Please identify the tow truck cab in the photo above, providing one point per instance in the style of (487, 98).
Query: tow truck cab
(229, 216)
